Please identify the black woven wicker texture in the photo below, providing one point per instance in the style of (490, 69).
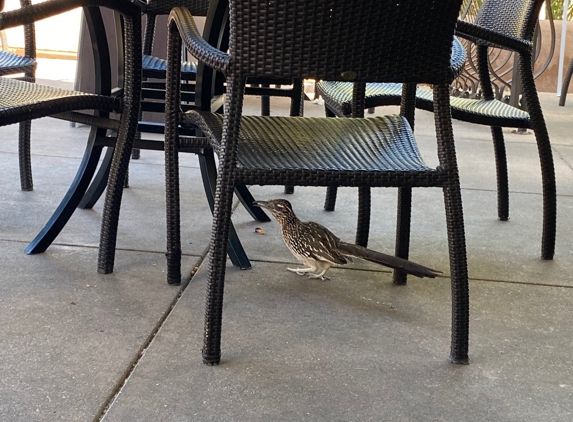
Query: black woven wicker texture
(22, 101)
(507, 24)
(338, 98)
(509, 17)
(338, 40)
(163, 7)
(338, 52)
(155, 67)
(316, 144)
(13, 64)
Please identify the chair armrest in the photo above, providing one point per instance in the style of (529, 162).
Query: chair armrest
(479, 35)
(46, 9)
(194, 42)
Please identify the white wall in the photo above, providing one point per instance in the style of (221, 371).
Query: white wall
(58, 33)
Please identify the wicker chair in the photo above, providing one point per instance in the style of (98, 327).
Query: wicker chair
(507, 24)
(324, 40)
(153, 67)
(14, 64)
(193, 96)
(153, 94)
(199, 97)
(21, 101)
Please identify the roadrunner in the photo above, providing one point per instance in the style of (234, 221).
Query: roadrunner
(318, 248)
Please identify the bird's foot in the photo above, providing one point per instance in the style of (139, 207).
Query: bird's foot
(319, 277)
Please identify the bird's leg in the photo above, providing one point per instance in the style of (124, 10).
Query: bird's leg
(302, 271)
(325, 267)
(311, 267)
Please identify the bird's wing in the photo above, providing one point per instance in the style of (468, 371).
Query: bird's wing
(387, 260)
(323, 243)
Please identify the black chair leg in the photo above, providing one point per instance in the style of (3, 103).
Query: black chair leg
(403, 231)
(126, 180)
(331, 191)
(549, 190)
(24, 155)
(72, 198)
(118, 170)
(459, 275)
(502, 174)
(330, 200)
(363, 225)
(211, 351)
(209, 175)
(265, 103)
(545, 158)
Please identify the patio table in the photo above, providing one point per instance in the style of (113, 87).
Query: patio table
(96, 140)
(88, 186)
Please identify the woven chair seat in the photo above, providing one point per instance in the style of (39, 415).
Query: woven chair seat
(24, 100)
(351, 40)
(338, 97)
(12, 63)
(279, 143)
(154, 67)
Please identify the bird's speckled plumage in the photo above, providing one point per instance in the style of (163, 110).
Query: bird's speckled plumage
(318, 248)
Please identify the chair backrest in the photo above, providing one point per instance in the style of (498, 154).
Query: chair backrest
(163, 7)
(516, 18)
(352, 40)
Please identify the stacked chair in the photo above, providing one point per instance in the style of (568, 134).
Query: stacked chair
(335, 40)
(23, 101)
(208, 94)
(504, 24)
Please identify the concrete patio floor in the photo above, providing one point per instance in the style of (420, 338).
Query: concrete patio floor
(76, 345)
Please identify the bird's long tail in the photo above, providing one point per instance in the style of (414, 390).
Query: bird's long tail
(391, 261)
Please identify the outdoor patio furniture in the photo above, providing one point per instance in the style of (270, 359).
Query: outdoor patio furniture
(155, 67)
(21, 101)
(14, 64)
(153, 92)
(207, 94)
(323, 40)
(505, 24)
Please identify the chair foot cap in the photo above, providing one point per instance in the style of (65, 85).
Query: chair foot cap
(460, 360)
(211, 360)
(174, 282)
(104, 271)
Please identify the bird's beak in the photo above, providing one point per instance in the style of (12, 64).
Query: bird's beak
(262, 204)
